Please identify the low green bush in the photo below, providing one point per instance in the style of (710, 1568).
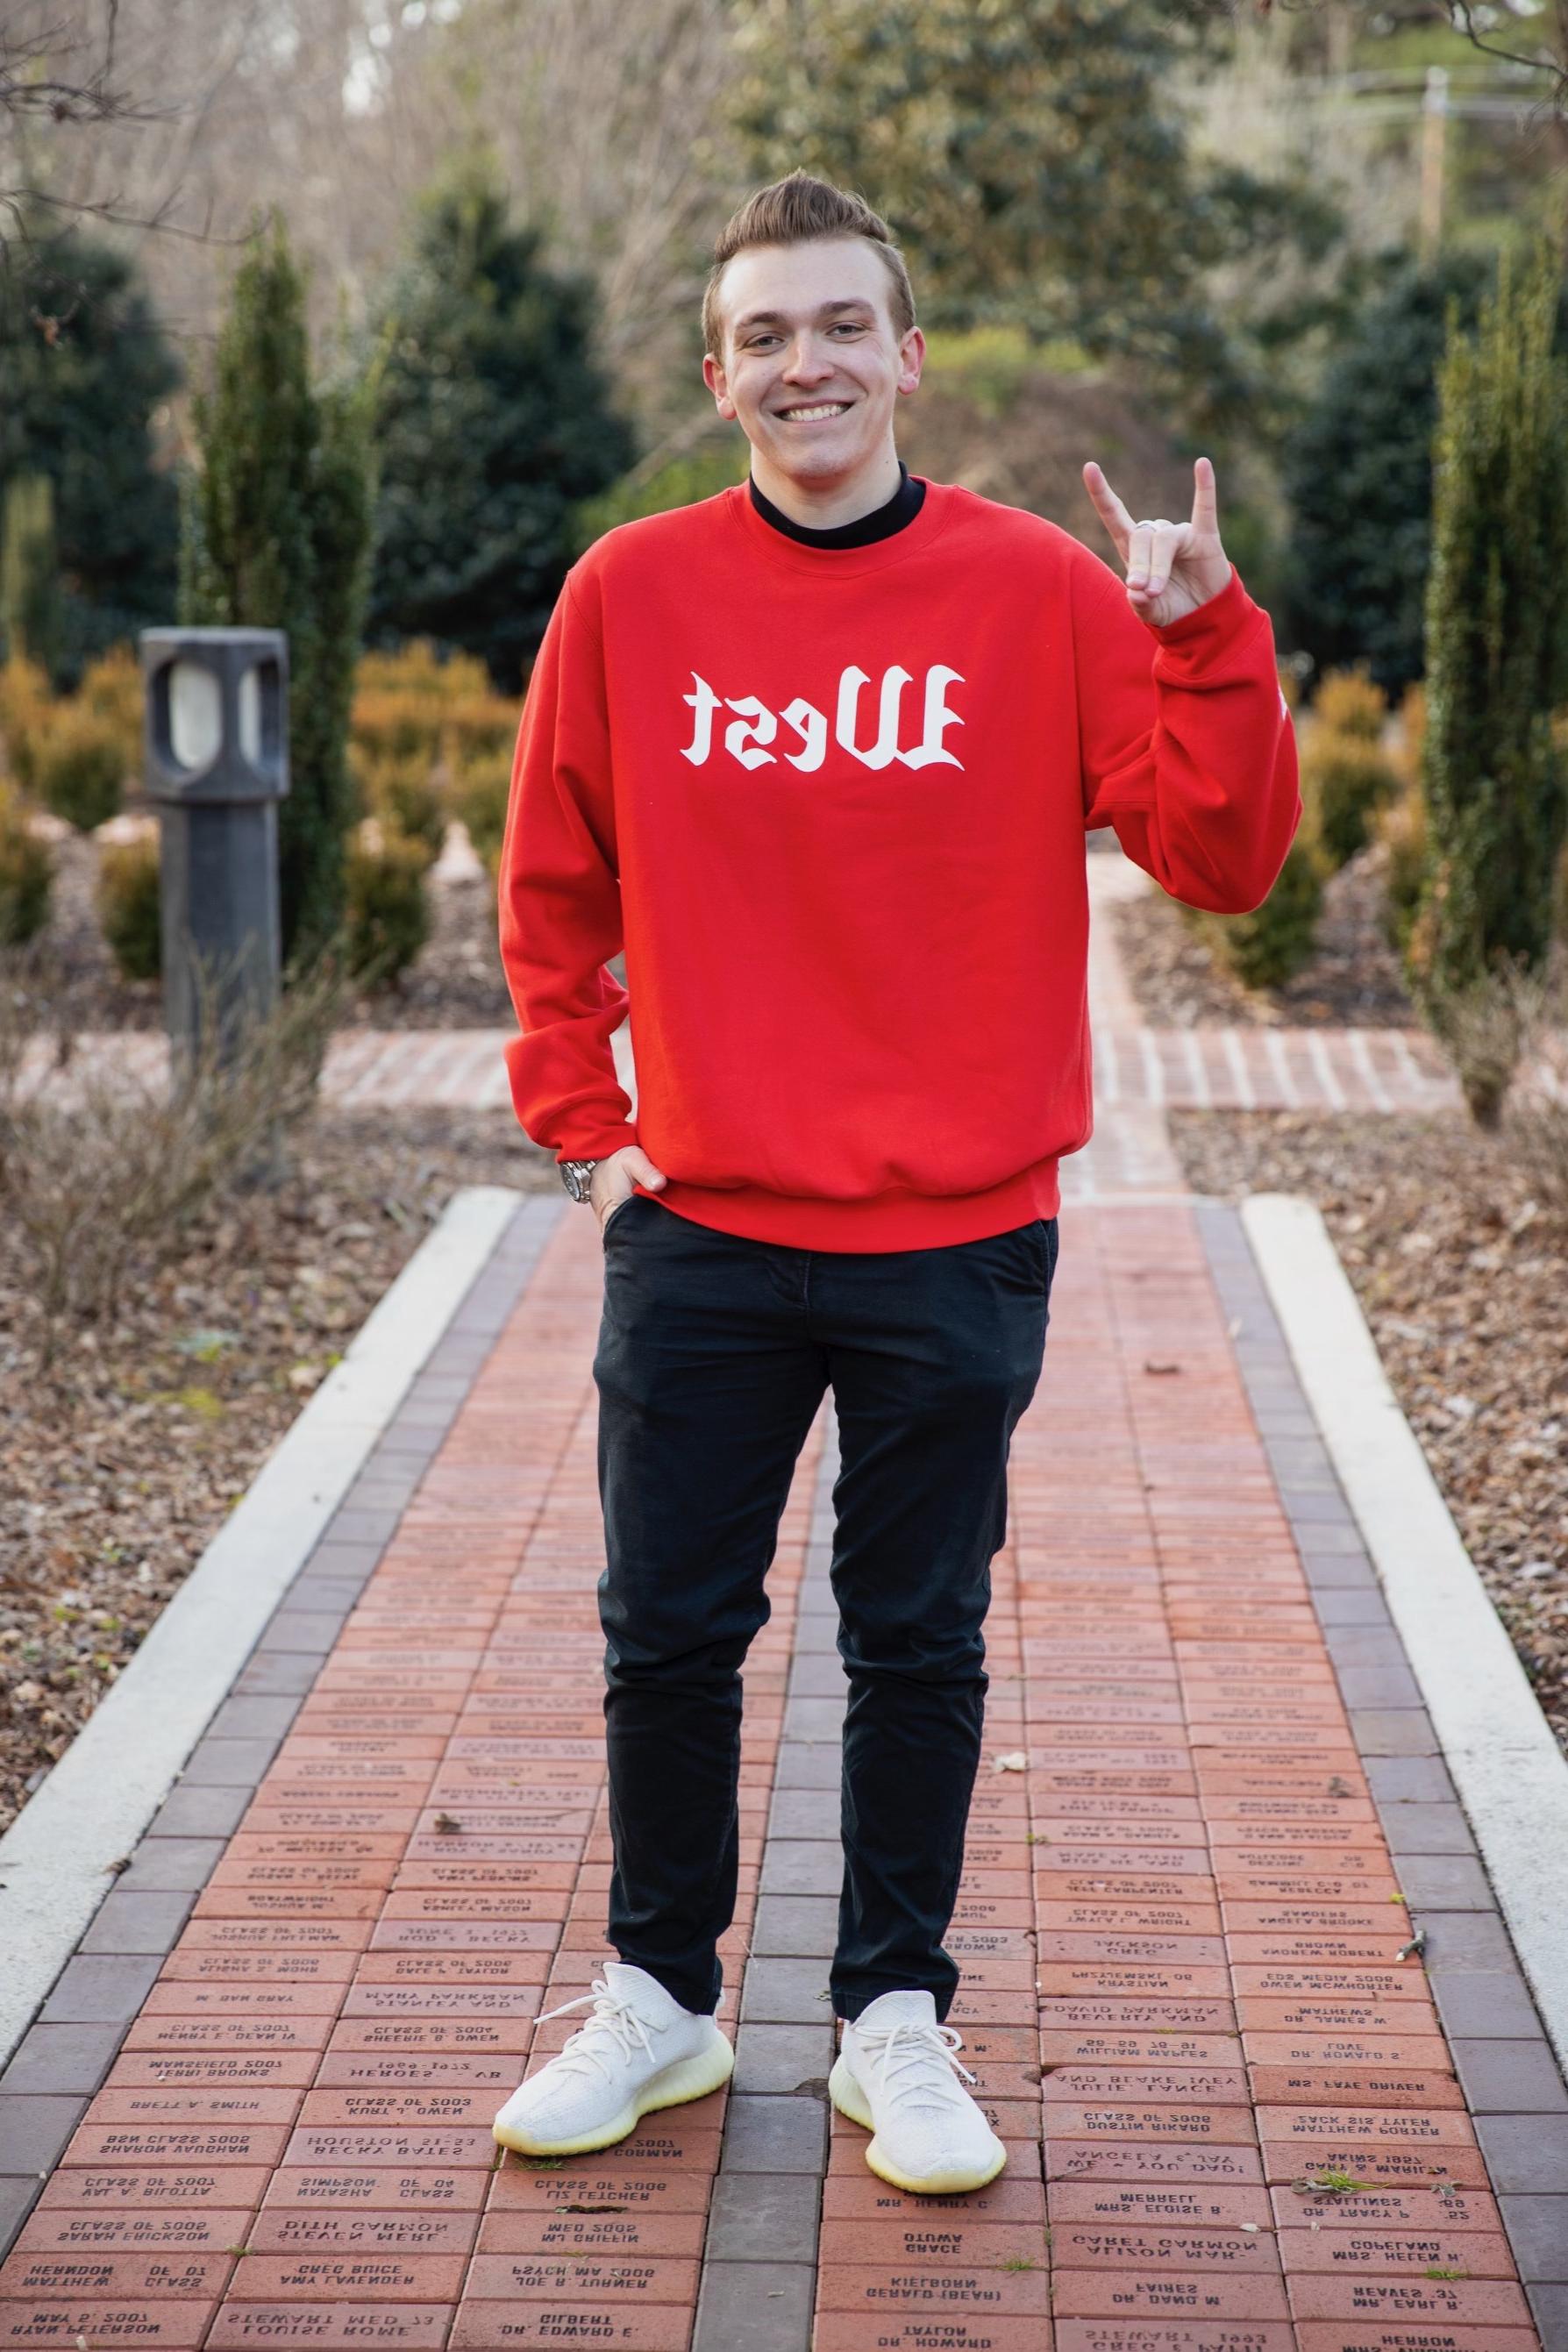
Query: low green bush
(387, 917)
(127, 898)
(80, 766)
(1347, 700)
(402, 794)
(1345, 778)
(26, 874)
(1267, 947)
(479, 795)
(1402, 829)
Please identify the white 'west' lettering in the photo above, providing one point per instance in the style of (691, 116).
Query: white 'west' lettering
(755, 726)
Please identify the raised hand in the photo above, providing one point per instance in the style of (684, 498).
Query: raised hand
(1172, 567)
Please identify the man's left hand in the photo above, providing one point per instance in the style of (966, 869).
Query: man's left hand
(1172, 567)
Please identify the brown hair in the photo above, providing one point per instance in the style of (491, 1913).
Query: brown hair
(795, 211)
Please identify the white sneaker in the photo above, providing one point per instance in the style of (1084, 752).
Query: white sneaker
(895, 2075)
(639, 2051)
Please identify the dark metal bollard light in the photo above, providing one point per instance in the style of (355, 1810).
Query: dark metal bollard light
(217, 765)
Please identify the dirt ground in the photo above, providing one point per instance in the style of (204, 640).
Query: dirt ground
(1462, 1278)
(119, 1465)
(1353, 981)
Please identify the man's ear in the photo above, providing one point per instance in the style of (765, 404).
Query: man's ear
(911, 359)
(714, 378)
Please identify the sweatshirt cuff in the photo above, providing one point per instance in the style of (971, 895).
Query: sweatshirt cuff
(1212, 628)
(596, 1144)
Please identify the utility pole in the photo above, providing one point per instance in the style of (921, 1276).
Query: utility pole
(1434, 142)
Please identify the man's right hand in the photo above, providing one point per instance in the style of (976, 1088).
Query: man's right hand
(613, 1180)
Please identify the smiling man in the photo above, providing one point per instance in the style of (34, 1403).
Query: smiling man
(820, 753)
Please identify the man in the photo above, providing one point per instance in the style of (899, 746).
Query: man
(820, 753)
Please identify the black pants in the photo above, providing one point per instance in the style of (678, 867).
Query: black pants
(714, 1354)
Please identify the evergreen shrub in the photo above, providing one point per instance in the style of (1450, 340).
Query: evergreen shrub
(127, 898)
(387, 917)
(80, 766)
(27, 873)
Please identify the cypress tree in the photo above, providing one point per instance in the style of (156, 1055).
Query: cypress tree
(494, 422)
(30, 614)
(85, 372)
(1496, 785)
(278, 536)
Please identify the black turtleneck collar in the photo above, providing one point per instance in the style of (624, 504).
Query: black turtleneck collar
(865, 531)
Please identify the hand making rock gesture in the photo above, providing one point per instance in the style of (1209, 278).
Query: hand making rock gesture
(1172, 567)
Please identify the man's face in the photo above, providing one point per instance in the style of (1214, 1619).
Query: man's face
(812, 365)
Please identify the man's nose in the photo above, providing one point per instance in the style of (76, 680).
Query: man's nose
(808, 361)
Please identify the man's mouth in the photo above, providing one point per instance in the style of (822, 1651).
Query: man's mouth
(816, 413)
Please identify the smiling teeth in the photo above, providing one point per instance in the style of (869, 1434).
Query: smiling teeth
(827, 408)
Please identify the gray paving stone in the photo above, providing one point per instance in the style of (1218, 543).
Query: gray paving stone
(137, 1923)
(99, 1988)
(367, 1526)
(1466, 1940)
(1446, 1882)
(1511, 2078)
(200, 1812)
(63, 2059)
(334, 1556)
(256, 1717)
(816, 1637)
(228, 1763)
(818, 1677)
(1427, 1830)
(795, 1926)
(785, 1993)
(804, 1813)
(1538, 2231)
(1490, 2002)
(1549, 2307)
(802, 1865)
(314, 1630)
(1392, 1731)
(788, 2058)
(1353, 1607)
(273, 1673)
(815, 1719)
(766, 2132)
(803, 1767)
(1379, 1687)
(35, 2129)
(760, 2217)
(162, 1865)
(754, 2307)
(1526, 2154)
(1338, 1572)
(17, 2194)
(1421, 1779)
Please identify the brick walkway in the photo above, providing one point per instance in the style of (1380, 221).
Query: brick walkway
(1210, 1818)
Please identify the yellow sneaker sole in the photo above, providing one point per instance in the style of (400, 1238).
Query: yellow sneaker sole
(691, 2078)
(850, 2100)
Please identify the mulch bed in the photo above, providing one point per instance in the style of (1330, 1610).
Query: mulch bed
(1353, 981)
(1461, 1276)
(457, 982)
(120, 1462)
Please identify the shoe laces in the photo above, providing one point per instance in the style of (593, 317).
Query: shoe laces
(615, 2024)
(915, 2063)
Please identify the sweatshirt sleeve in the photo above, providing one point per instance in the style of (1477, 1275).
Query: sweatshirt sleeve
(1187, 746)
(559, 901)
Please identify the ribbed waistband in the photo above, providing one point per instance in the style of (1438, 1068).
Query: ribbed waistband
(896, 1220)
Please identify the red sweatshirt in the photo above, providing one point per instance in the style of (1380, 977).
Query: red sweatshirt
(832, 803)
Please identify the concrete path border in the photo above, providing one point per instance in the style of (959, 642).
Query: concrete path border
(1511, 1774)
(62, 1855)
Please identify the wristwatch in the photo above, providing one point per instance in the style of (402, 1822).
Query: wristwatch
(577, 1175)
